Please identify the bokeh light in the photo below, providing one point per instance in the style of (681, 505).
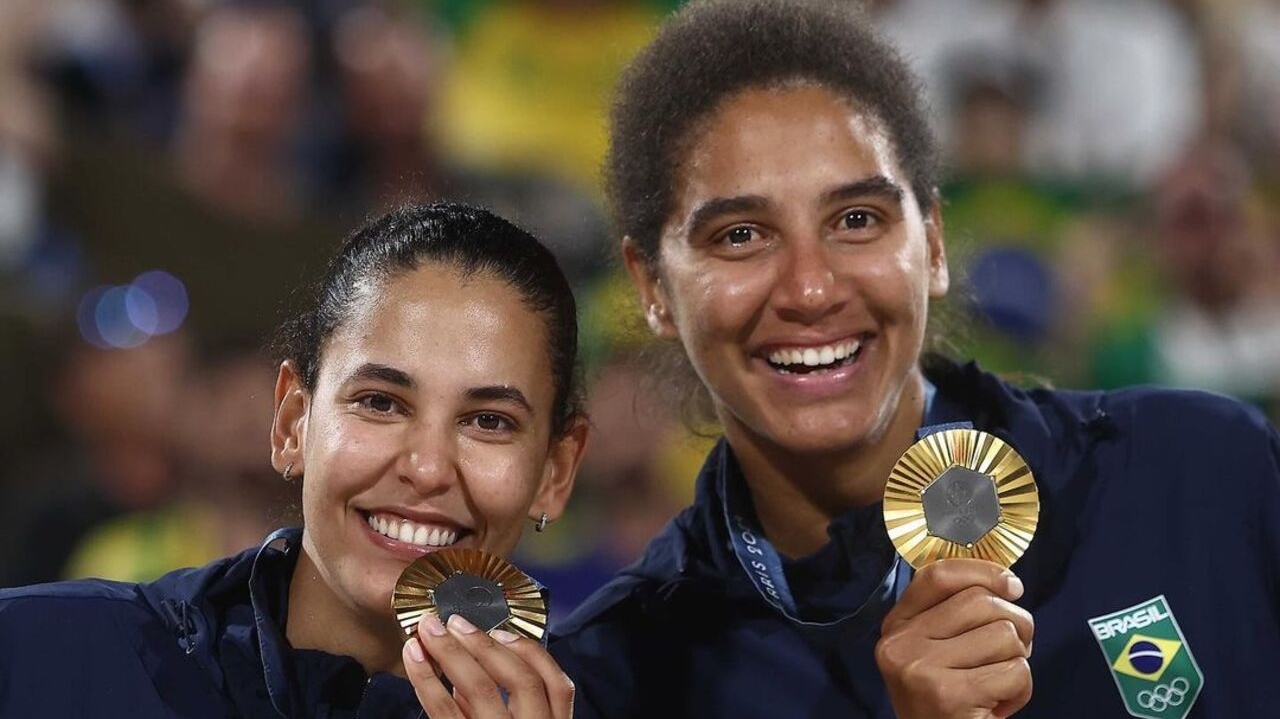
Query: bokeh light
(123, 316)
(169, 296)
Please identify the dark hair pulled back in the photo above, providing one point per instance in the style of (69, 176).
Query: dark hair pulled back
(471, 240)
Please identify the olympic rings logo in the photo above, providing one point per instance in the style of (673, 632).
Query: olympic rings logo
(1165, 695)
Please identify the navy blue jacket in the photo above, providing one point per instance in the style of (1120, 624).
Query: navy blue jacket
(202, 643)
(1144, 493)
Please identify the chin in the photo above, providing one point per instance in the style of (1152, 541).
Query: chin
(825, 431)
(821, 444)
(373, 589)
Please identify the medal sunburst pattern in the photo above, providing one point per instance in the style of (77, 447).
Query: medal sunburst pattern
(925, 461)
(414, 594)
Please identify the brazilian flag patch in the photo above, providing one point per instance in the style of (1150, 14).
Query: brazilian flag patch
(1149, 659)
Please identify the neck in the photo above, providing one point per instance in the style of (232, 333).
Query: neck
(798, 494)
(318, 620)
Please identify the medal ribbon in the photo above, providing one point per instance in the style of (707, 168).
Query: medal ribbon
(761, 561)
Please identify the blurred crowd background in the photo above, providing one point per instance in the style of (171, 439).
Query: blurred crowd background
(172, 170)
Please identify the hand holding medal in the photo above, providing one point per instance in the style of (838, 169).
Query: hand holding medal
(955, 644)
(482, 622)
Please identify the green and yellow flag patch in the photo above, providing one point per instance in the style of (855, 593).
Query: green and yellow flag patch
(1149, 659)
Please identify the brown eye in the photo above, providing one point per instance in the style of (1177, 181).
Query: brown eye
(858, 220)
(379, 403)
(738, 236)
(490, 422)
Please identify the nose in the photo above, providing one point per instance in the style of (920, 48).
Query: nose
(808, 288)
(428, 462)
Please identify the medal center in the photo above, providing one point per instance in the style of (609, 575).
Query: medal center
(961, 505)
(478, 599)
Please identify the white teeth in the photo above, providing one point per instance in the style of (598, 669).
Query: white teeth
(403, 530)
(815, 356)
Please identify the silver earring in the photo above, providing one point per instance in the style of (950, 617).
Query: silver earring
(655, 316)
(287, 473)
(541, 523)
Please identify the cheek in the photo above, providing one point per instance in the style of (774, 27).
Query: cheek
(721, 301)
(899, 284)
(502, 483)
(352, 454)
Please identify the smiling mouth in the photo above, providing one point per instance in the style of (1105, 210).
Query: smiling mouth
(808, 360)
(413, 533)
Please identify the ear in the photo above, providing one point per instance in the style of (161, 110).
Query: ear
(560, 471)
(939, 275)
(654, 301)
(289, 427)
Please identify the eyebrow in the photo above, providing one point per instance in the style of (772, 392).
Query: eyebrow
(500, 393)
(708, 211)
(382, 373)
(874, 186)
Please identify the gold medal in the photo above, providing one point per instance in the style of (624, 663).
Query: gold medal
(487, 590)
(961, 493)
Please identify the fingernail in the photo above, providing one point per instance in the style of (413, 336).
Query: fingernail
(1015, 587)
(503, 636)
(415, 651)
(433, 625)
(460, 624)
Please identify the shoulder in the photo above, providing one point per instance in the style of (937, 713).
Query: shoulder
(92, 647)
(614, 605)
(605, 622)
(1135, 418)
(975, 391)
(42, 623)
(1173, 435)
(65, 603)
(667, 557)
(144, 647)
(1160, 410)
(632, 632)
(70, 608)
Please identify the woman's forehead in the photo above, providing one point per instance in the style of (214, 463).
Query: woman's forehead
(764, 139)
(436, 320)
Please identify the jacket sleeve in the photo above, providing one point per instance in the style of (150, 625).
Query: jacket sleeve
(70, 646)
(1269, 509)
(29, 648)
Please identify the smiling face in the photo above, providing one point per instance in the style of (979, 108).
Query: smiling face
(430, 425)
(796, 269)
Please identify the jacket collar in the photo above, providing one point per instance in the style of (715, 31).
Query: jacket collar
(282, 545)
(229, 617)
(298, 681)
(1054, 431)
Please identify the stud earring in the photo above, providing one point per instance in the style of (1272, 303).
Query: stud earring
(655, 315)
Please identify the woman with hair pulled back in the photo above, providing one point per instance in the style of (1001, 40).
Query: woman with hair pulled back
(427, 399)
(772, 173)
